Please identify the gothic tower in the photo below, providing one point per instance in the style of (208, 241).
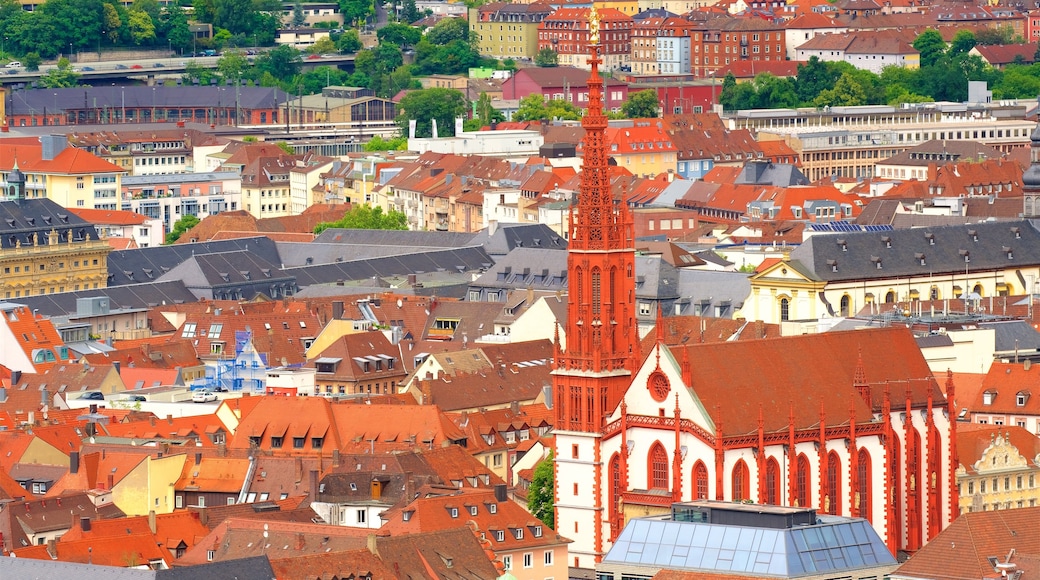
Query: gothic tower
(592, 373)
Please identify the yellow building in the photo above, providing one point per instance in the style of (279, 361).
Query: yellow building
(71, 177)
(645, 148)
(999, 467)
(508, 30)
(142, 483)
(629, 7)
(46, 249)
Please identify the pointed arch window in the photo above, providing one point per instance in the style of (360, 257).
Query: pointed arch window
(615, 481)
(846, 305)
(863, 495)
(832, 503)
(597, 297)
(700, 481)
(658, 467)
(772, 482)
(803, 480)
(741, 482)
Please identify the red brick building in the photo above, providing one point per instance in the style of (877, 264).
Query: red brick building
(567, 32)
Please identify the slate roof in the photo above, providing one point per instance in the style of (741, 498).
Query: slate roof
(19, 220)
(119, 297)
(963, 550)
(769, 173)
(394, 238)
(508, 237)
(160, 259)
(113, 97)
(451, 262)
(987, 246)
(55, 570)
(240, 274)
(941, 151)
(537, 268)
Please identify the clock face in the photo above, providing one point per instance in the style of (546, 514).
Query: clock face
(659, 386)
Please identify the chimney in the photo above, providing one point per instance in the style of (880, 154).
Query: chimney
(151, 520)
(198, 458)
(44, 396)
(169, 419)
(93, 408)
(500, 492)
(111, 481)
(372, 545)
(84, 524)
(16, 377)
(52, 145)
(314, 484)
(933, 172)
(514, 407)
(115, 365)
(74, 462)
(3, 394)
(409, 486)
(52, 549)
(337, 309)
(335, 458)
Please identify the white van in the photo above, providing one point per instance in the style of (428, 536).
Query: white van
(13, 64)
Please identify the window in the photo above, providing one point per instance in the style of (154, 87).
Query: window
(741, 482)
(528, 560)
(785, 309)
(803, 481)
(518, 533)
(507, 563)
(210, 554)
(189, 330)
(361, 515)
(276, 442)
(658, 467)
(700, 478)
(832, 503)
(178, 502)
(202, 500)
(500, 535)
(548, 557)
(454, 512)
(297, 442)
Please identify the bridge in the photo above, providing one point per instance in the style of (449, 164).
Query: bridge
(152, 70)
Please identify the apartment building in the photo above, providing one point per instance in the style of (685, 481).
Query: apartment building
(508, 30)
(566, 31)
(173, 196)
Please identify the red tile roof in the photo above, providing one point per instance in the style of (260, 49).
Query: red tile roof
(109, 216)
(1006, 381)
(973, 439)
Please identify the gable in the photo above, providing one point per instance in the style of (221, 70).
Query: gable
(639, 398)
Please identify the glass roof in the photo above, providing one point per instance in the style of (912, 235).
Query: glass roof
(846, 544)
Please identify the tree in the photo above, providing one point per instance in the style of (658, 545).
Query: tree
(641, 105)
(298, 17)
(282, 63)
(487, 114)
(61, 76)
(533, 107)
(813, 77)
(377, 143)
(113, 23)
(349, 41)
(32, 61)
(931, 46)
(424, 105)
(232, 64)
(182, 225)
(540, 496)
(78, 22)
(234, 15)
(356, 11)
(447, 30)
(409, 13)
(996, 35)
(846, 93)
(547, 57)
(323, 45)
(399, 34)
(142, 29)
(963, 41)
(365, 217)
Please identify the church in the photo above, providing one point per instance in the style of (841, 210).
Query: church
(851, 423)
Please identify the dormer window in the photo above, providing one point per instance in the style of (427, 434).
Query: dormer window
(974, 235)
(843, 243)
(538, 531)
(966, 255)
(454, 512)
(518, 533)
(887, 241)
(500, 536)
(1021, 398)
(472, 510)
(930, 238)
(988, 397)
(492, 508)
(1010, 254)
(920, 258)
(877, 261)
(1016, 232)
(833, 264)
(406, 515)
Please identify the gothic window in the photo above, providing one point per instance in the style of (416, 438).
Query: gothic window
(700, 481)
(596, 297)
(615, 481)
(772, 482)
(741, 482)
(803, 482)
(658, 467)
(863, 480)
(832, 503)
(658, 385)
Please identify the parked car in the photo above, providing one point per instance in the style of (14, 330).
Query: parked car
(203, 396)
(136, 66)
(93, 396)
(87, 68)
(136, 398)
(121, 67)
(159, 65)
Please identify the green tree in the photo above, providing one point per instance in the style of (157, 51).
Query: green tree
(349, 41)
(364, 217)
(61, 76)
(846, 92)
(996, 35)
(963, 41)
(425, 105)
(641, 105)
(547, 57)
(113, 24)
(487, 114)
(356, 11)
(409, 13)
(447, 30)
(237, 16)
(541, 498)
(323, 45)
(180, 226)
(32, 61)
(283, 63)
(533, 107)
(78, 22)
(399, 34)
(285, 147)
(931, 46)
(814, 77)
(377, 143)
(232, 65)
(204, 10)
(773, 92)
(298, 17)
(142, 29)
(196, 73)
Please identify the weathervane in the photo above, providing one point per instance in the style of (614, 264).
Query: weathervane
(593, 25)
